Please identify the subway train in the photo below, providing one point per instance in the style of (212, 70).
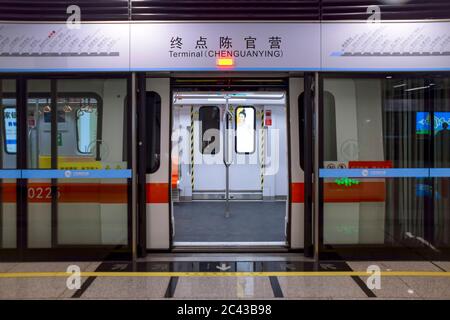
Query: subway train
(130, 138)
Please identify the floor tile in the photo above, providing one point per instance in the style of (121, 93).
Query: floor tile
(32, 288)
(47, 266)
(443, 264)
(410, 266)
(317, 287)
(429, 287)
(224, 287)
(127, 288)
(6, 266)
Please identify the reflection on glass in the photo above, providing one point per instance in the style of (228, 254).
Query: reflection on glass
(91, 211)
(209, 118)
(388, 123)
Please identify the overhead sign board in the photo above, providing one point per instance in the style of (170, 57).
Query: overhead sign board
(251, 46)
(201, 46)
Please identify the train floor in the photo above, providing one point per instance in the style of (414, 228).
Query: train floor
(248, 221)
(207, 276)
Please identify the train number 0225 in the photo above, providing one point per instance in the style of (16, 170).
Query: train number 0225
(41, 193)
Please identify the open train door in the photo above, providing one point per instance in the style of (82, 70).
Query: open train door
(233, 181)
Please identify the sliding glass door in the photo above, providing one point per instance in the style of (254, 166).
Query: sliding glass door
(67, 138)
(386, 167)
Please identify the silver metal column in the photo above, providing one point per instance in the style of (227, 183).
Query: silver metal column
(133, 168)
(316, 180)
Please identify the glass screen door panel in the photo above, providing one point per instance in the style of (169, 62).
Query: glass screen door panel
(77, 167)
(393, 127)
(440, 220)
(8, 165)
(92, 209)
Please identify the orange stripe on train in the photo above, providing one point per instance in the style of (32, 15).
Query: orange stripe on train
(84, 193)
(373, 191)
(159, 192)
(70, 193)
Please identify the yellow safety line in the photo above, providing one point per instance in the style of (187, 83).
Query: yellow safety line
(227, 274)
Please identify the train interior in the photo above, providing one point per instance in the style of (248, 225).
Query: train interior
(229, 168)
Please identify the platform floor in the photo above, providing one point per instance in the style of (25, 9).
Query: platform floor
(249, 221)
(202, 279)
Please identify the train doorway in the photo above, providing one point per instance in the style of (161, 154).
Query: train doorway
(229, 168)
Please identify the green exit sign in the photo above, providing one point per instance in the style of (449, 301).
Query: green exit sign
(347, 182)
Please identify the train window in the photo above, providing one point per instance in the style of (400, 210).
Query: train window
(329, 128)
(209, 118)
(153, 131)
(245, 129)
(87, 118)
(48, 116)
(10, 125)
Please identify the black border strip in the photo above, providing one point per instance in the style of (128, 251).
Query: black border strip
(84, 287)
(364, 287)
(438, 266)
(141, 153)
(276, 288)
(308, 165)
(171, 287)
(21, 161)
(54, 159)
